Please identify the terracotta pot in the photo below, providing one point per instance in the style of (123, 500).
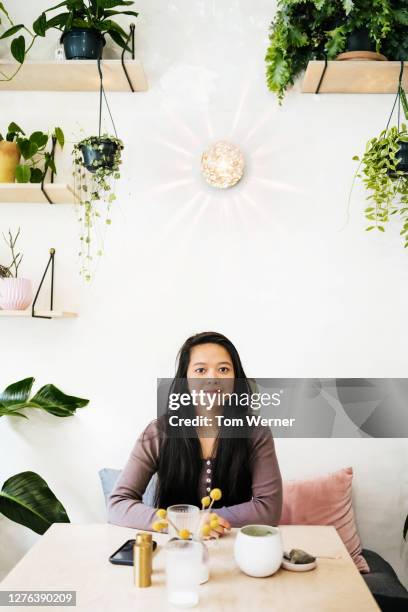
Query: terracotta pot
(9, 159)
(15, 293)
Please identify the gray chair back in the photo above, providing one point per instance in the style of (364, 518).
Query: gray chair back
(109, 478)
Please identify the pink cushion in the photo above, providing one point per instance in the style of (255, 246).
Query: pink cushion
(325, 500)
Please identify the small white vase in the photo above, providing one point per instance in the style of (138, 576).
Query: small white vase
(15, 293)
(258, 550)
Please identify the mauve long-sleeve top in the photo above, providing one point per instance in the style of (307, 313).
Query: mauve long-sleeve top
(125, 506)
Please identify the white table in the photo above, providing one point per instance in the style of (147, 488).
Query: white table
(75, 557)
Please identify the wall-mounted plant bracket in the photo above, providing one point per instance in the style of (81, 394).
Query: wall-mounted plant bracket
(130, 38)
(322, 75)
(50, 261)
(54, 142)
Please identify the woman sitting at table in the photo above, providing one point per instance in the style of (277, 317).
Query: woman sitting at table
(189, 464)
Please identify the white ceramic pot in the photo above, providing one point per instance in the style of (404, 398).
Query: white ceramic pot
(15, 293)
(258, 550)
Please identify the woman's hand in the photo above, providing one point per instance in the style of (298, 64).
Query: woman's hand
(223, 527)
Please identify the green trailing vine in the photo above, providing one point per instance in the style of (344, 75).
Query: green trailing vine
(303, 30)
(386, 184)
(95, 191)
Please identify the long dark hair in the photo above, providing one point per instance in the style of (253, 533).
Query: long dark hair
(180, 460)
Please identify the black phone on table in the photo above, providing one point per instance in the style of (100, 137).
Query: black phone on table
(124, 554)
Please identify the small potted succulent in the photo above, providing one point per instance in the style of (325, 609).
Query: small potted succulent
(83, 24)
(97, 162)
(37, 159)
(15, 292)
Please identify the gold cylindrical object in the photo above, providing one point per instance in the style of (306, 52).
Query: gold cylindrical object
(9, 160)
(146, 538)
(142, 560)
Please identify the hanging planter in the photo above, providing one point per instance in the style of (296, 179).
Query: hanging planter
(96, 170)
(402, 154)
(384, 171)
(97, 162)
(101, 153)
(83, 43)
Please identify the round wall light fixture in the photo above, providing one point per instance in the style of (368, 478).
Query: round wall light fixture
(222, 164)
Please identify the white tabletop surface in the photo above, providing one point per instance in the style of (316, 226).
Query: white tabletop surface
(75, 557)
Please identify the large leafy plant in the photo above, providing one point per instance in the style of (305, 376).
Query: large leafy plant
(16, 398)
(37, 159)
(317, 29)
(99, 15)
(26, 498)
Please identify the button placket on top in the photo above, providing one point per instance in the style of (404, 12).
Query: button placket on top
(208, 479)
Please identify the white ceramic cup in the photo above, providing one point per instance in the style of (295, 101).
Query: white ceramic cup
(15, 293)
(258, 550)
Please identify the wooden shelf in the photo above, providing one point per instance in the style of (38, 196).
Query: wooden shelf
(53, 314)
(354, 77)
(31, 193)
(73, 75)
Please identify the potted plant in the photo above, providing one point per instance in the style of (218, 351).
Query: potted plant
(101, 153)
(25, 497)
(83, 23)
(15, 293)
(303, 30)
(37, 160)
(10, 155)
(384, 171)
(97, 162)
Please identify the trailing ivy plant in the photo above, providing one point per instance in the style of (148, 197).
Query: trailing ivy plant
(386, 184)
(303, 30)
(37, 159)
(95, 191)
(19, 46)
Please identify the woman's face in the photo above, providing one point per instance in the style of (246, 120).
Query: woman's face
(210, 368)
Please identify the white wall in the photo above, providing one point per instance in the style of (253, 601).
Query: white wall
(270, 263)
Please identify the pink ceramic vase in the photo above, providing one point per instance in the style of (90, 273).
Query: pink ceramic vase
(15, 293)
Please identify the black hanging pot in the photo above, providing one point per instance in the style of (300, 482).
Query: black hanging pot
(359, 40)
(83, 43)
(402, 157)
(99, 153)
